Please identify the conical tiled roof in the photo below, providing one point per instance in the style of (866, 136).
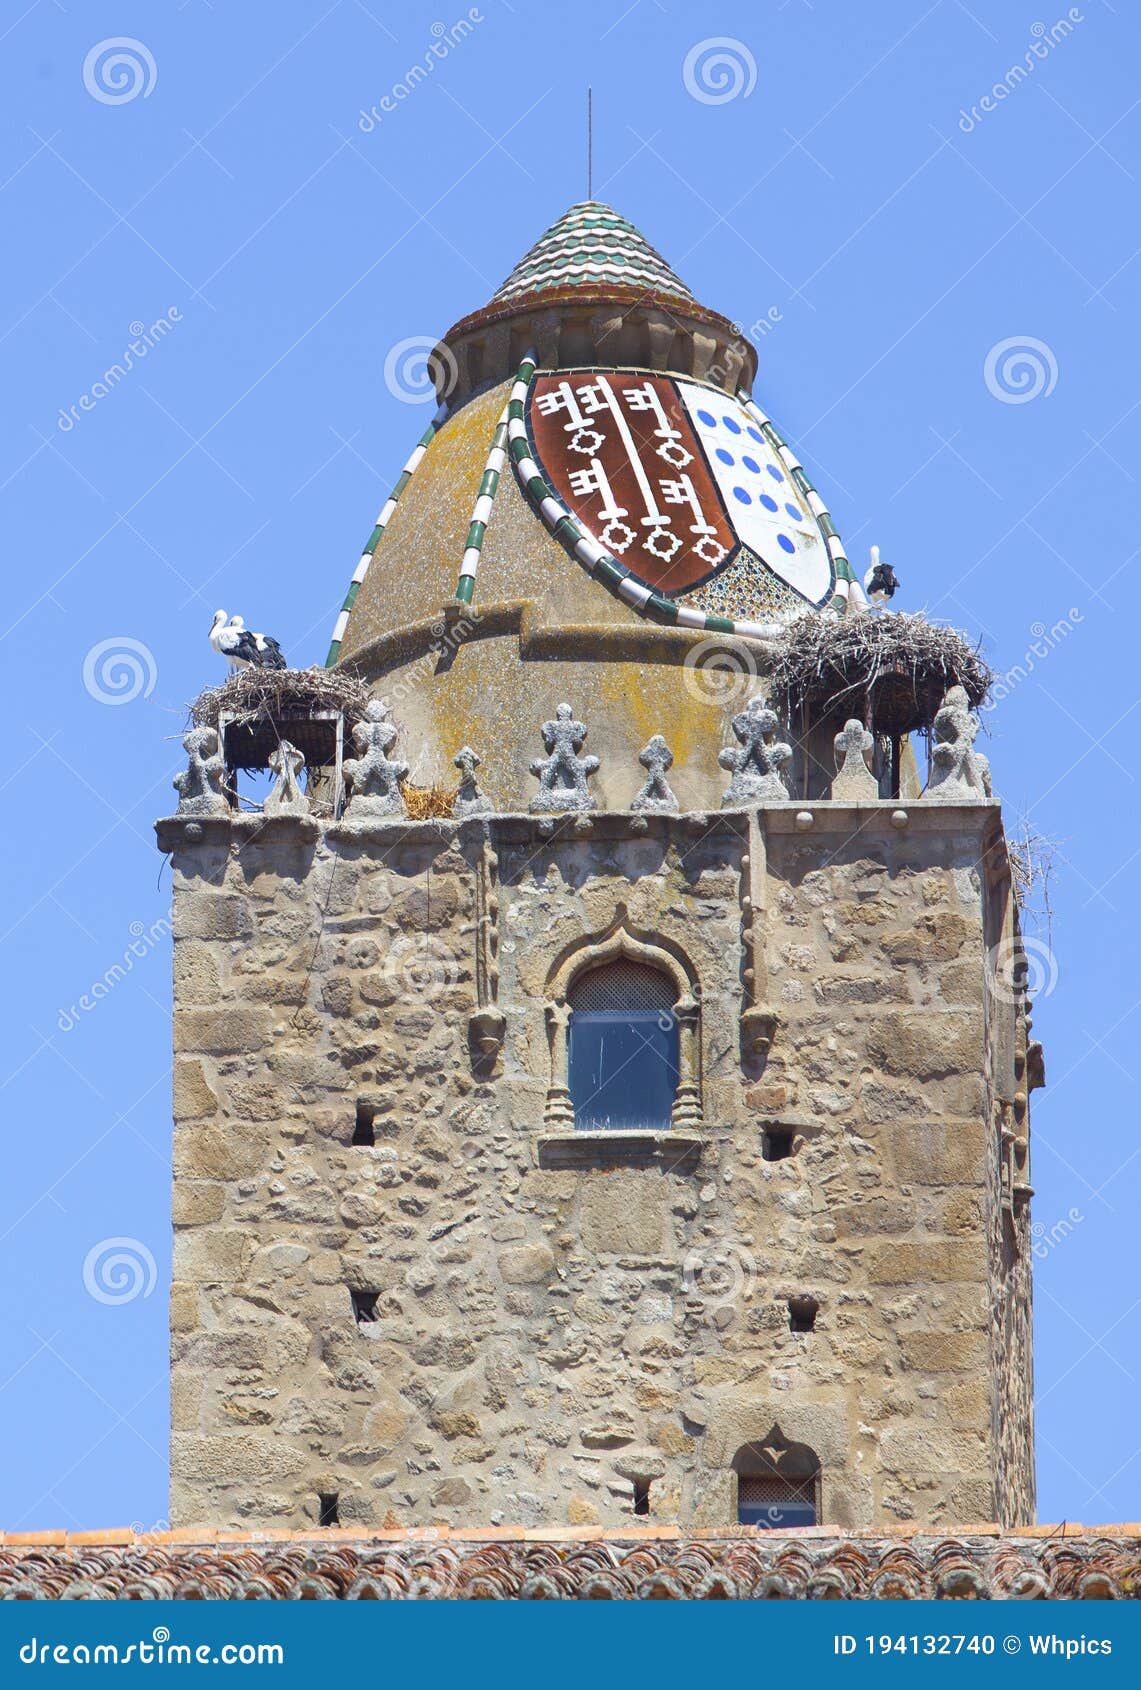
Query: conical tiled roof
(592, 244)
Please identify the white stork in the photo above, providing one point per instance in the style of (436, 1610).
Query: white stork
(269, 653)
(881, 580)
(241, 648)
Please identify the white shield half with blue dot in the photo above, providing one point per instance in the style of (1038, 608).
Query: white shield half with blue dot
(766, 509)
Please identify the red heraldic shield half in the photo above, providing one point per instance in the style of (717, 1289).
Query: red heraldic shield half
(621, 452)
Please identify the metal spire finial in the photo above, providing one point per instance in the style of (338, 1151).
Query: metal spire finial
(590, 143)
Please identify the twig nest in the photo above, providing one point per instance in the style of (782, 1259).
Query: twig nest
(903, 663)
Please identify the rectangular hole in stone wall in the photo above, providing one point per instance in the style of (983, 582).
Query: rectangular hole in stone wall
(776, 1143)
(364, 1307)
(363, 1131)
(641, 1496)
(328, 1511)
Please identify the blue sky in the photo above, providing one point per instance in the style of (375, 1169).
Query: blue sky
(898, 250)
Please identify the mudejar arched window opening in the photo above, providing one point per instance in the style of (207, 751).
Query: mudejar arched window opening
(622, 1048)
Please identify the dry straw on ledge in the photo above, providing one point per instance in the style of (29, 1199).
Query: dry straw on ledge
(904, 663)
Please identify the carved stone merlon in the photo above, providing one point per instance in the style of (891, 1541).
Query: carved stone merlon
(960, 775)
(563, 773)
(287, 798)
(656, 795)
(199, 785)
(755, 767)
(375, 780)
(853, 778)
(469, 800)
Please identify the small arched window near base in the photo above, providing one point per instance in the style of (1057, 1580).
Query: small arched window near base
(622, 1048)
(778, 1484)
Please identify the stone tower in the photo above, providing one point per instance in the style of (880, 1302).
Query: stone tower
(600, 1094)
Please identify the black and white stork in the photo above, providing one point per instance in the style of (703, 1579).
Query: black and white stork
(269, 653)
(881, 581)
(242, 648)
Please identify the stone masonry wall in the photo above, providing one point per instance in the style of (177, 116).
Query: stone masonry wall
(543, 1339)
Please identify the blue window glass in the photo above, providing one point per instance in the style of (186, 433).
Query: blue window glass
(777, 1516)
(622, 1051)
(776, 1503)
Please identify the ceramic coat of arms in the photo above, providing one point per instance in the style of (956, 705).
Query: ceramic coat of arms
(673, 478)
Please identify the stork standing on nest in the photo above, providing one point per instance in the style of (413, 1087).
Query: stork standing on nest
(881, 581)
(242, 648)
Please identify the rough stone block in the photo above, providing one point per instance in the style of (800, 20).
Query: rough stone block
(183, 1308)
(938, 1152)
(926, 1043)
(944, 1352)
(527, 1264)
(218, 1152)
(221, 1032)
(927, 1261)
(213, 1256)
(210, 915)
(193, 1098)
(195, 1202)
(240, 1455)
(626, 1214)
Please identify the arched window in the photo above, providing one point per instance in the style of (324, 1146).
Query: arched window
(622, 1048)
(777, 1484)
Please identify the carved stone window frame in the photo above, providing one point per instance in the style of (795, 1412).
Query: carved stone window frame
(621, 946)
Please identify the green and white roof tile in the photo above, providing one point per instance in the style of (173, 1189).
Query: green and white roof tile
(591, 246)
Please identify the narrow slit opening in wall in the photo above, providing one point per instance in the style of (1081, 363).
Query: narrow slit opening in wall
(364, 1307)
(641, 1496)
(776, 1143)
(328, 1509)
(802, 1314)
(364, 1132)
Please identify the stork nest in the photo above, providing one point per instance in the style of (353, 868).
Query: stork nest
(252, 695)
(892, 666)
